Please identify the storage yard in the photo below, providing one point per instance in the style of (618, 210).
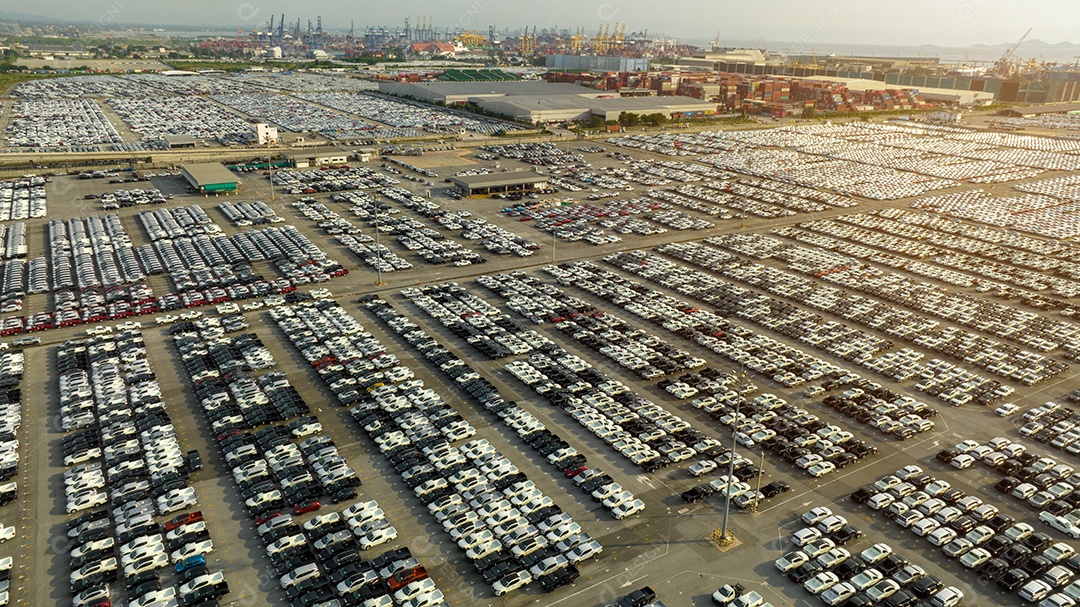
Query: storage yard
(376, 384)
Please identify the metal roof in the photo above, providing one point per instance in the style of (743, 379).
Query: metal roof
(1034, 110)
(208, 173)
(494, 180)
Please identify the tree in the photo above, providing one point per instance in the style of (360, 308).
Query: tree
(809, 112)
(629, 118)
(654, 119)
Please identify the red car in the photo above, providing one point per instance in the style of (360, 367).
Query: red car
(183, 519)
(305, 507)
(573, 471)
(262, 518)
(404, 578)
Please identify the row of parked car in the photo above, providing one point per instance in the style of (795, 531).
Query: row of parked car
(948, 382)
(556, 451)
(127, 458)
(244, 214)
(364, 246)
(11, 371)
(493, 238)
(270, 470)
(644, 354)
(979, 252)
(1035, 331)
(991, 544)
(794, 434)
(1042, 483)
(23, 198)
(981, 352)
(484, 326)
(877, 575)
(414, 428)
(1053, 424)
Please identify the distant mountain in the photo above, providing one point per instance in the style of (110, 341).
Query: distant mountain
(27, 18)
(1033, 45)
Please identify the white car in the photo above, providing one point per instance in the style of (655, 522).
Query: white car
(376, 537)
(962, 461)
(511, 582)
(876, 553)
(301, 573)
(804, 536)
(816, 514)
(584, 551)
(626, 509)
(702, 467)
(821, 469)
(7, 532)
(147, 564)
(821, 582)
(790, 561)
(866, 579)
(1007, 409)
(838, 594)
(192, 549)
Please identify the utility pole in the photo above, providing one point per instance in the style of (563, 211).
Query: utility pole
(270, 167)
(761, 473)
(725, 537)
(378, 247)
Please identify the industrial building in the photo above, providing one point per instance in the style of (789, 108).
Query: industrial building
(1040, 110)
(541, 102)
(180, 142)
(952, 97)
(572, 108)
(209, 177)
(498, 183)
(460, 92)
(597, 63)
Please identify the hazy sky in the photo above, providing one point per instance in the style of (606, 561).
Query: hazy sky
(903, 22)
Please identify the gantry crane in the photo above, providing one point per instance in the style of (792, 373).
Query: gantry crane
(1008, 66)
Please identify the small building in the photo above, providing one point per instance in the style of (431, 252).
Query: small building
(498, 183)
(308, 158)
(180, 142)
(209, 177)
(265, 133)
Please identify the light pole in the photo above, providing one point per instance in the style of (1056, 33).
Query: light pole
(378, 251)
(724, 537)
(270, 167)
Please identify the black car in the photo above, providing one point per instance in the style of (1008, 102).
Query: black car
(946, 455)
(1038, 541)
(891, 564)
(1013, 579)
(194, 461)
(997, 545)
(692, 495)
(862, 494)
(1017, 555)
(992, 569)
(1001, 521)
(805, 571)
(561, 577)
(927, 585)
(1037, 565)
(846, 534)
(638, 598)
(902, 598)
(850, 568)
(775, 488)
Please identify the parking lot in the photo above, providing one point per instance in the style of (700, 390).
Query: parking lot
(840, 334)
